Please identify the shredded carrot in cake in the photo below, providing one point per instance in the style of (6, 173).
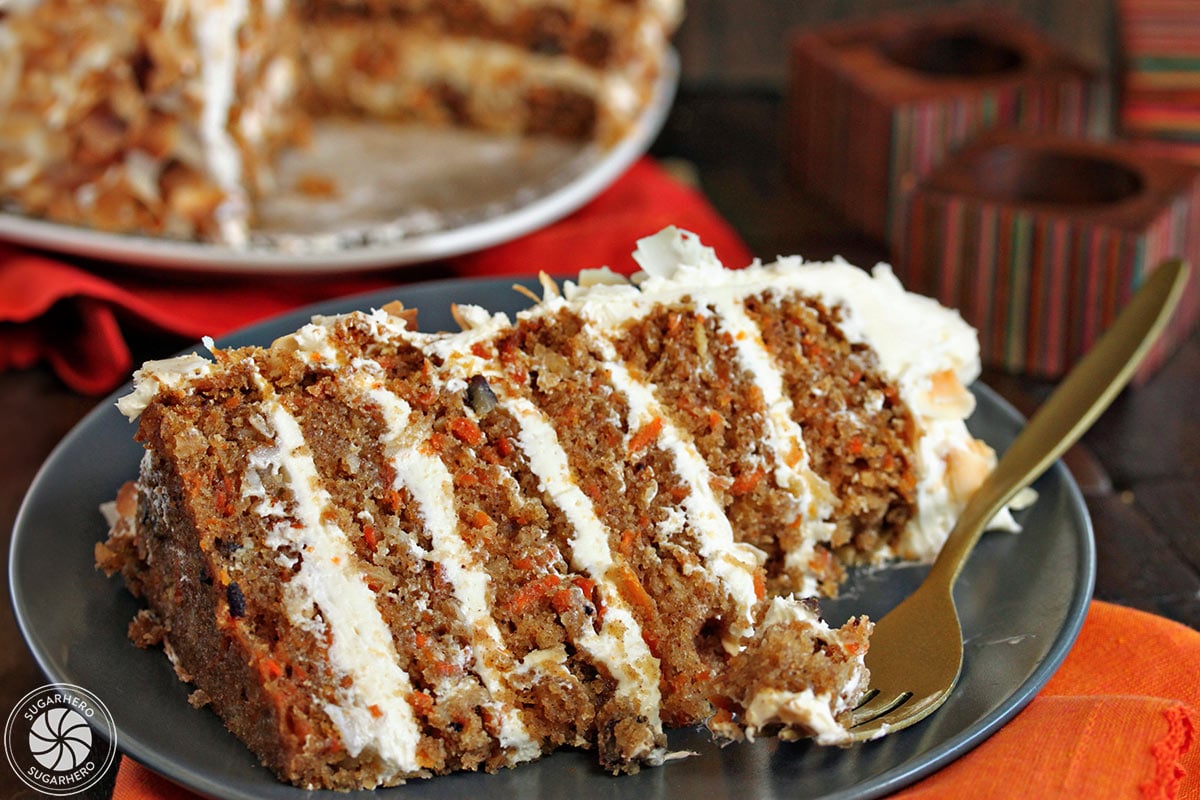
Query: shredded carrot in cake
(421, 703)
(626, 545)
(531, 592)
(466, 431)
(745, 483)
(632, 590)
(270, 668)
(466, 480)
(646, 434)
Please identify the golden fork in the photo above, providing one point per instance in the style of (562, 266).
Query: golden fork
(916, 651)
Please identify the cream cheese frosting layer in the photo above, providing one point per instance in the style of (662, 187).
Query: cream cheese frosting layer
(328, 593)
(618, 645)
(734, 564)
(431, 486)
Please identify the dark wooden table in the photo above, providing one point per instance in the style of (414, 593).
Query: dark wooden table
(1139, 467)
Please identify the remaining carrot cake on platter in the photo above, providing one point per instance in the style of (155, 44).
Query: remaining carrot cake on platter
(381, 554)
(168, 117)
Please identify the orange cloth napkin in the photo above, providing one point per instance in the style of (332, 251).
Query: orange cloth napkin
(78, 316)
(1117, 720)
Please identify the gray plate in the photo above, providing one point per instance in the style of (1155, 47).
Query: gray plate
(1022, 599)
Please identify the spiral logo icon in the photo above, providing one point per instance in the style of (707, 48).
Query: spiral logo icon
(60, 739)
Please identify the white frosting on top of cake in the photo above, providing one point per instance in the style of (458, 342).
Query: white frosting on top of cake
(914, 338)
(155, 376)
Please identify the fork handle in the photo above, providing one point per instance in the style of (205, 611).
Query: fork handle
(1069, 411)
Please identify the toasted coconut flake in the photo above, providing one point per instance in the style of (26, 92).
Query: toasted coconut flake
(549, 287)
(527, 292)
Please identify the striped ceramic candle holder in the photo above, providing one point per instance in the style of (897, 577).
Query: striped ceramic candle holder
(1039, 240)
(875, 105)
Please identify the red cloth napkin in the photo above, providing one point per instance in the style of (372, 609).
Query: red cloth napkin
(79, 316)
(1117, 720)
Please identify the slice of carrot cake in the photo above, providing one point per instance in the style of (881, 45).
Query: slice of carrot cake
(380, 553)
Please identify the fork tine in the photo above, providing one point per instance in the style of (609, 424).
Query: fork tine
(876, 705)
(892, 714)
(867, 697)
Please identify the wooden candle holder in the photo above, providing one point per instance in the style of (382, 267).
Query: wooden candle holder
(1039, 240)
(1159, 76)
(875, 105)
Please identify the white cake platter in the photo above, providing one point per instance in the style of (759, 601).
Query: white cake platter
(400, 194)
